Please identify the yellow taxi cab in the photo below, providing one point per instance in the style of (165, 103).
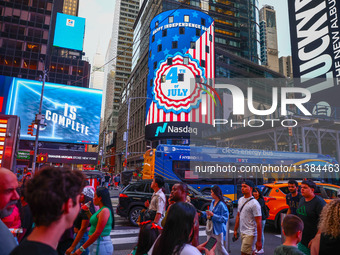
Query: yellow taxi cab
(275, 197)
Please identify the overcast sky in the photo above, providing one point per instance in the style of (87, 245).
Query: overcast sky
(99, 18)
(98, 28)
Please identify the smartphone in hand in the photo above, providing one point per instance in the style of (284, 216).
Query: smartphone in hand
(235, 238)
(210, 244)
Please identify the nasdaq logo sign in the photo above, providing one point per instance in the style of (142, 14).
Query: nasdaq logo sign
(161, 129)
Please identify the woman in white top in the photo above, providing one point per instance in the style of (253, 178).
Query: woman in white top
(178, 233)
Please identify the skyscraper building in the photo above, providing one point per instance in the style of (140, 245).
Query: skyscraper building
(27, 30)
(286, 67)
(97, 75)
(118, 69)
(119, 56)
(268, 38)
(235, 24)
(71, 7)
(235, 56)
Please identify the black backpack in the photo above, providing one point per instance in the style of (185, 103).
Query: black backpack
(266, 211)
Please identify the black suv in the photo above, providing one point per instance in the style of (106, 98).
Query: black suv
(133, 196)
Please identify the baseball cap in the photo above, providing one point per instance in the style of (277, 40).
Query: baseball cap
(88, 191)
(249, 183)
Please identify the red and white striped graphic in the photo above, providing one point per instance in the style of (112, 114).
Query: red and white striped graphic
(204, 113)
(3, 131)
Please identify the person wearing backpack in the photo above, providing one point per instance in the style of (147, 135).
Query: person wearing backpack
(264, 211)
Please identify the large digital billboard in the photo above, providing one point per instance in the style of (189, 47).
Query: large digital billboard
(181, 73)
(69, 32)
(72, 114)
(315, 34)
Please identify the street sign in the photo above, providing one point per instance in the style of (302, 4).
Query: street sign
(23, 155)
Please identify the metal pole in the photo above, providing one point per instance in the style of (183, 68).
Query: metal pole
(337, 147)
(38, 124)
(127, 133)
(46, 68)
(103, 152)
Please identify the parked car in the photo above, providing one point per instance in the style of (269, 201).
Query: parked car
(275, 197)
(133, 197)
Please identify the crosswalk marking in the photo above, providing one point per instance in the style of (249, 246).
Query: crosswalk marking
(118, 236)
(124, 240)
(130, 236)
(125, 232)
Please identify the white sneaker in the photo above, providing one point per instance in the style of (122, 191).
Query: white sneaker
(259, 252)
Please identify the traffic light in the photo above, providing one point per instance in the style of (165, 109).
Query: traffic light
(290, 131)
(30, 129)
(42, 158)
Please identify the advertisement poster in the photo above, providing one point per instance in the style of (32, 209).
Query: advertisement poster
(72, 114)
(69, 32)
(181, 71)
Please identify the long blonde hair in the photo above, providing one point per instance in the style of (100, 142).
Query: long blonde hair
(329, 223)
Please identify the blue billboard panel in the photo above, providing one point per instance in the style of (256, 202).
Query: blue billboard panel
(69, 32)
(72, 114)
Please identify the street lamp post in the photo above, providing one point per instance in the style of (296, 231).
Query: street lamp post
(127, 126)
(39, 120)
(103, 152)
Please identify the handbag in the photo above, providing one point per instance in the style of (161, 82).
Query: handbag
(209, 227)
(149, 215)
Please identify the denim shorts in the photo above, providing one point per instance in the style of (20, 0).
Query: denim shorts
(81, 242)
(105, 246)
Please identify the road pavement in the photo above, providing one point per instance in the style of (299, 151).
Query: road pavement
(125, 236)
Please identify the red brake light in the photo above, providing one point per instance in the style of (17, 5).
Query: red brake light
(122, 195)
(267, 199)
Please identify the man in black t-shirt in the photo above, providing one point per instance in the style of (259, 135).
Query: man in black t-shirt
(309, 210)
(293, 198)
(53, 196)
(107, 180)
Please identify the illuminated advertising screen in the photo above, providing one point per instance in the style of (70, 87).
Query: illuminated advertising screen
(72, 114)
(4, 89)
(181, 70)
(314, 31)
(70, 157)
(69, 32)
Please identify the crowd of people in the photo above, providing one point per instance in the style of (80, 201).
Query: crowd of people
(56, 212)
(59, 214)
